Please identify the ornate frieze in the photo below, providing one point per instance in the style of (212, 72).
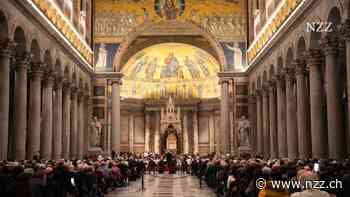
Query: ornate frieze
(272, 26)
(56, 16)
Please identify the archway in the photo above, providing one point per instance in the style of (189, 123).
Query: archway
(124, 47)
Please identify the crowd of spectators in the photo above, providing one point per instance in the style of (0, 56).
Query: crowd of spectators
(228, 176)
(238, 177)
(90, 177)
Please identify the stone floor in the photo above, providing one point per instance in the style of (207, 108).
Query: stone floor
(165, 186)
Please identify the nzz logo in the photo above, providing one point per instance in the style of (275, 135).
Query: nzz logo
(319, 27)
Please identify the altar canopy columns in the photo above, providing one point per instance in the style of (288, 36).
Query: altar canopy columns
(115, 133)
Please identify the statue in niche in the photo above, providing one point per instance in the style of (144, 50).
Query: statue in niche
(243, 131)
(96, 131)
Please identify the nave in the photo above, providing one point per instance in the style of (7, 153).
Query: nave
(165, 185)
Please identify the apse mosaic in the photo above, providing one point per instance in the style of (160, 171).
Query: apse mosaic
(171, 69)
(223, 18)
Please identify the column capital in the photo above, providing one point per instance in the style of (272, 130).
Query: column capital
(259, 92)
(289, 73)
(330, 43)
(314, 57)
(265, 89)
(300, 67)
(67, 86)
(81, 95)
(74, 90)
(272, 85)
(345, 30)
(115, 77)
(7, 47)
(58, 82)
(23, 60)
(225, 77)
(38, 68)
(49, 78)
(252, 98)
(280, 80)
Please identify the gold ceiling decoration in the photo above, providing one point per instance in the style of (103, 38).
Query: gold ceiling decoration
(270, 28)
(171, 69)
(225, 19)
(55, 15)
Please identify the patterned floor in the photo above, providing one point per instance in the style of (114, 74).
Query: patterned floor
(165, 186)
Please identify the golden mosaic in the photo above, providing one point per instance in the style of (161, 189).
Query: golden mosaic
(171, 69)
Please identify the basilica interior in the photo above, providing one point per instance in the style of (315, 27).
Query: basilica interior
(258, 77)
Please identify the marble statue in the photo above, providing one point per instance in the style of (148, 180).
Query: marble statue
(243, 131)
(95, 137)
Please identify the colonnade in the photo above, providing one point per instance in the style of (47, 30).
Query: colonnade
(55, 126)
(292, 119)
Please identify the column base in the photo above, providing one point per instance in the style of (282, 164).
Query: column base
(245, 150)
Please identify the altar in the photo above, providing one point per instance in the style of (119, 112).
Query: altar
(171, 128)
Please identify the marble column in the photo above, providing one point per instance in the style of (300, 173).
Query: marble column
(212, 132)
(345, 33)
(21, 106)
(185, 134)
(336, 134)
(115, 131)
(224, 114)
(304, 137)
(33, 142)
(281, 117)
(252, 118)
(86, 123)
(46, 132)
(157, 134)
(273, 120)
(266, 131)
(81, 128)
(131, 132)
(259, 122)
(195, 132)
(147, 132)
(292, 133)
(5, 55)
(57, 116)
(317, 114)
(66, 117)
(74, 123)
